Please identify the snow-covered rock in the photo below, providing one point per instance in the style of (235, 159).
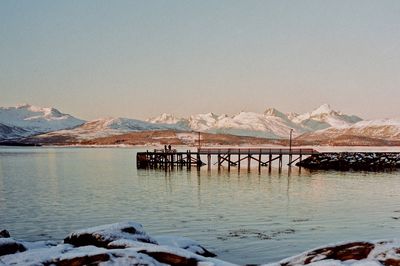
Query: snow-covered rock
(114, 244)
(184, 243)
(101, 236)
(128, 248)
(375, 253)
(10, 246)
(365, 161)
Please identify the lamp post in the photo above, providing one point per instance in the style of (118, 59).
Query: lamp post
(290, 139)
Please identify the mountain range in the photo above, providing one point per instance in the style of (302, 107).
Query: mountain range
(322, 125)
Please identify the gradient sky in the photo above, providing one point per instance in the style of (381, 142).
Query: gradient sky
(141, 58)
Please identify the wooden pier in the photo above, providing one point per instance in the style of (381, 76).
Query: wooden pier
(229, 157)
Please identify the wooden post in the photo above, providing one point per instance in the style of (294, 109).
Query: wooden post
(270, 162)
(239, 160)
(190, 159)
(219, 161)
(165, 161)
(198, 162)
(280, 161)
(259, 161)
(301, 155)
(229, 160)
(209, 161)
(248, 160)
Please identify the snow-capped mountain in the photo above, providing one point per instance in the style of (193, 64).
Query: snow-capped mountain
(324, 117)
(255, 124)
(104, 127)
(25, 120)
(384, 129)
(270, 124)
(171, 120)
(12, 132)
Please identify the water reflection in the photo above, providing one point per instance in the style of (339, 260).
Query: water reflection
(246, 217)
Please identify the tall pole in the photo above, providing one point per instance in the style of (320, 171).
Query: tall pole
(290, 140)
(199, 139)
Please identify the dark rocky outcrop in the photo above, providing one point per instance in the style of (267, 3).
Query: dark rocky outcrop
(115, 244)
(10, 246)
(80, 260)
(101, 236)
(132, 246)
(359, 161)
(350, 251)
(359, 253)
(171, 259)
(4, 234)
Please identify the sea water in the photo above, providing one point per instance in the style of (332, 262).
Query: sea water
(244, 217)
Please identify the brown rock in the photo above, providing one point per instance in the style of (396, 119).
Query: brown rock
(101, 236)
(80, 261)
(350, 251)
(171, 259)
(391, 262)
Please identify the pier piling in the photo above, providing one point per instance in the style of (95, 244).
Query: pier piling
(231, 157)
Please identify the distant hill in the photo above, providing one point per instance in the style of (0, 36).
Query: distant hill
(322, 126)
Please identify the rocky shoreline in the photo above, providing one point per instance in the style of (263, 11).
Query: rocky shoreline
(115, 244)
(128, 244)
(359, 161)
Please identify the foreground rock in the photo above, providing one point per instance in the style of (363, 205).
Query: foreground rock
(101, 236)
(361, 161)
(379, 253)
(114, 244)
(128, 244)
(10, 246)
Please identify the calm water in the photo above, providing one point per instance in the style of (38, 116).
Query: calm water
(46, 193)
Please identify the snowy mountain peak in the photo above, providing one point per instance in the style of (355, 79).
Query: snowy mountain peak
(275, 112)
(271, 111)
(165, 118)
(292, 115)
(26, 120)
(323, 109)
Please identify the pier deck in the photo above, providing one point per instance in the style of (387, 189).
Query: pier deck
(224, 156)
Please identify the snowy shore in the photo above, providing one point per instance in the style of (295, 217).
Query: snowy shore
(128, 244)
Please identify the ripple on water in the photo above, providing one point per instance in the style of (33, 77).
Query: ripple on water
(244, 217)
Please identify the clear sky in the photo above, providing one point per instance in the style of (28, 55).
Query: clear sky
(140, 58)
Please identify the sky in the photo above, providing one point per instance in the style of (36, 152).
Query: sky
(138, 59)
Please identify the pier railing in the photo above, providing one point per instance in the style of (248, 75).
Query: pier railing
(264, 151)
